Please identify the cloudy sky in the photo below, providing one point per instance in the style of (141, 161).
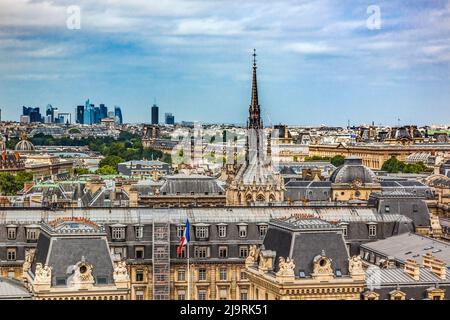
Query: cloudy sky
(319, 62)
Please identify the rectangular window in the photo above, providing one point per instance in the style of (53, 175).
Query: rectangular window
(201, 294)
(12, 233)
(223, 274)
(243, 252)
(201, 252)
(372, 230)
(222, 231)
(180, 231)
(223, 252)
(244, 294)
(139, 252)
(139, 275)
(262, 231)
(182, 253)
(344, 230)
(119, 252)
(139, 231)
(223, 294)
(139, 295)
(11, 254)
(181, 295)
(243, 231)
(60, 281)
(243, 275)
(201, 232)
(202, 274)
(118, 233)
(32, 234)
(387, 209)
(181, 275)
(415, 208)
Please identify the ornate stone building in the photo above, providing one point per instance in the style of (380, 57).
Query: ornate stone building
(255, 181)
(304, 259)
(72, 261)
(353, 181)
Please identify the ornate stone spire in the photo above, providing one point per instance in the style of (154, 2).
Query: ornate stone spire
(254, 117)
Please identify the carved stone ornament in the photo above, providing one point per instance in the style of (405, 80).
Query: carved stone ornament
(43, 274)
(29, 255)
(285, 267)
(121, 272)
(355, 265)
(252, 255)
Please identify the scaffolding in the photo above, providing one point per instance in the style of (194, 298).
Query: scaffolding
(161, 260)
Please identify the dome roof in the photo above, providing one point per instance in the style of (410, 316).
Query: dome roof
(353, 171)
(24, 145)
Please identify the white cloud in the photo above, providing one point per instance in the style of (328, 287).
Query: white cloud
(310, 48)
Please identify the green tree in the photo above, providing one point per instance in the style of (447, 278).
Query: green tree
(81, 171)
(393, 165)
(10, 184)
(106, 170)
(337, 161)
(111, 161)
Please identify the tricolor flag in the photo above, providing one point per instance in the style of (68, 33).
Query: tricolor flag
(185, 238)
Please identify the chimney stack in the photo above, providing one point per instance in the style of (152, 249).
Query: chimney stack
(438, 267)
(412, 269)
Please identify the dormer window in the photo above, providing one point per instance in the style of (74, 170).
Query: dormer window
(201, 232)
(139, 231)
(262, 230)
(243, 231)
(222, 229)
(32, 234)
(118, 233)
(372, 230)
(12, 233)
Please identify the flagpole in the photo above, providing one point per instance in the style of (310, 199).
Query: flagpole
(189, 274)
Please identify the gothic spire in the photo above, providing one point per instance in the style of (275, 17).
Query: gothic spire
(254, 118)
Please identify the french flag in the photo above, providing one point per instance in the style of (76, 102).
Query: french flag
(185, 238)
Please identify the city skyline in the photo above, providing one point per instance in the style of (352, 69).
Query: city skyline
(196, 60)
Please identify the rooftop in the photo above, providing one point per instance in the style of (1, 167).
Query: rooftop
(410, 246)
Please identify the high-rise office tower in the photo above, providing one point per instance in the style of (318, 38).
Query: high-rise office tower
(80, 114)
(118, 115)
(155, 114)
(34, 114)
(88, 113)
(49, 112)
(170, 119)
(103, 111)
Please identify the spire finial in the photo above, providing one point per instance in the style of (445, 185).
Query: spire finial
(254, 57)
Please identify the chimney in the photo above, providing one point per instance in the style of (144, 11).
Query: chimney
(412, 269)
(438, 267)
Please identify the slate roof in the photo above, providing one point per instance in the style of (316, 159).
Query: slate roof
(62, 250)
(351, 170)
(11, 289)
(302, 241)
(185, 184)
(410, 246)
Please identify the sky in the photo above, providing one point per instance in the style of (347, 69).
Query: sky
(319, 62)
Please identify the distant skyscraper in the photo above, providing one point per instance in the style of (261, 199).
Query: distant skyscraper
(118, 115)
(88, 113)
(155, 114)
(33, 113)
(97, 115)
(103, 111)
(49, 112)
(80, 114)
(170, 119)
